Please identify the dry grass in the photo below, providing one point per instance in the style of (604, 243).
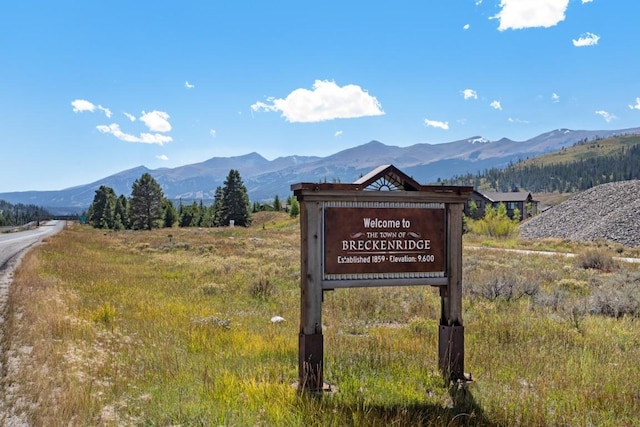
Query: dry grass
(139, 328)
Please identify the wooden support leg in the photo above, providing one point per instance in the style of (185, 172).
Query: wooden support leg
(451, 352)
(310, 362)
(451, 331)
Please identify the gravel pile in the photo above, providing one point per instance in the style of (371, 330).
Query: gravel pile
(608, 211)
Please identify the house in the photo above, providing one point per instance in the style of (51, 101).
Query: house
(521, 200)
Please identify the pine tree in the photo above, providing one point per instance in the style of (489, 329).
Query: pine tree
(277, 206)
(201, 213)
(206, 216)
(145, 208)
(294, 209)
(170, 216)
(121, 217)
(102, 209)
(235, 201)
(190, 215)
(217, 208)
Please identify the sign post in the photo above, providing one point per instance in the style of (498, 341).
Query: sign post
(383, 230)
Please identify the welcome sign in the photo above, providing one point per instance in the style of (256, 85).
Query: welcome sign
(385, 229)
(383, 241)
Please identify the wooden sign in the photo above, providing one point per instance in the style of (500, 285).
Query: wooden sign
(385, 229)
(363, 240)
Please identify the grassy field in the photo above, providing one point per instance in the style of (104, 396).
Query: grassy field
(172, 327)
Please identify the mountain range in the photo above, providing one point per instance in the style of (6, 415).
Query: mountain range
(265, 179)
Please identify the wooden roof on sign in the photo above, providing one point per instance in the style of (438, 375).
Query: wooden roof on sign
(389, 176)
(383, 178)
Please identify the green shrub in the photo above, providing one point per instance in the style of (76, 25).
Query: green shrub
(495, 223)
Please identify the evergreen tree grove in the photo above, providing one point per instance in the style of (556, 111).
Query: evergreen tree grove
(20, 213)
(575, 176)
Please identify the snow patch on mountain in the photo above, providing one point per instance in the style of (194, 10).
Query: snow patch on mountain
(478, 140)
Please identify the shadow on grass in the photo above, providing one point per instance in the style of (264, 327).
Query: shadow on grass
(460, 410)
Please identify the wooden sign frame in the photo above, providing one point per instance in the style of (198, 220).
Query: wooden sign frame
(383, 230)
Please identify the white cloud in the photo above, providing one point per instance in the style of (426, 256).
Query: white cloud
(587, 39)
(496, 105)
(263, 106)
(586, 1)
(213, 133)
(162, 157)
(555, 97)
(469, 93)
(82, 105)
(520, 14)
(189, 85)
(608, 117)
(338, 133)
(512, 120)
(156, 121)
(637, 106)
(145, 138)
(436, 124)
(106, 111)
(466, 27)
(327, 101)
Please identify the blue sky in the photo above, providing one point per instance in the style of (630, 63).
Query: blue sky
(88, 89)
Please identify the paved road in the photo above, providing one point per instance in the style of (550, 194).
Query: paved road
(13, 246)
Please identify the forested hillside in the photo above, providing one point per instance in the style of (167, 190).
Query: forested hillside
(20, 214)
(577, 168)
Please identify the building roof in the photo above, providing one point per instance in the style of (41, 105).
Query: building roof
(512, 196)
